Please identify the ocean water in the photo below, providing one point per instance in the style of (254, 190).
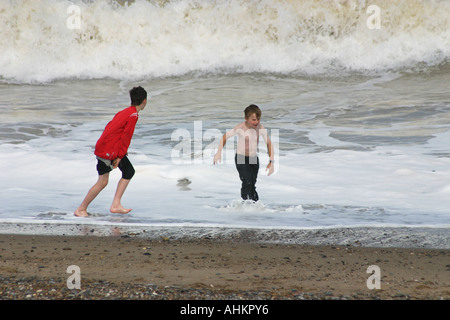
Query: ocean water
(356, 101)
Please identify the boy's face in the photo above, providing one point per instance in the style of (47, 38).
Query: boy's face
(252, 121)
(141, 106)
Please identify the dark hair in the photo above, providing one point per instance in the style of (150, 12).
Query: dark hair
(137, 95)
(253, 108)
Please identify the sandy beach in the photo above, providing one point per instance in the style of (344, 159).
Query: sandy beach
(130, 267)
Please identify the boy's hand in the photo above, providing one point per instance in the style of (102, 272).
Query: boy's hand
(270, 167)
(115, 163)
(217, 158)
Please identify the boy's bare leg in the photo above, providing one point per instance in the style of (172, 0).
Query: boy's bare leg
(91, 195)
(116, 206)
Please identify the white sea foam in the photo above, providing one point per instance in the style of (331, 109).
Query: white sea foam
(45, 40)
(354, 149)
(384, 187)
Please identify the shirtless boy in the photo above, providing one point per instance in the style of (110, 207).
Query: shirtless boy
(111, 151)
(246, 159)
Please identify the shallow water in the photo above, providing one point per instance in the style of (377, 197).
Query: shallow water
(350, 151)
(359, 117)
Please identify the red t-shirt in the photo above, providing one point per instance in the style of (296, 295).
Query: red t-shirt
(116, 137)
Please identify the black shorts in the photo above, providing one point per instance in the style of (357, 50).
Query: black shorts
(105, 166)
(248, 168)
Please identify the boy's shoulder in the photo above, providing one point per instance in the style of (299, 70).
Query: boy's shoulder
(240, 126)
(129, 111)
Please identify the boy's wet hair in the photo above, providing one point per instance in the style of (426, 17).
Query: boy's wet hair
(137, 95)
(253, 108)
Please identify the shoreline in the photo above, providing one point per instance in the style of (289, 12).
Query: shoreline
(380, 237)
(129, 264)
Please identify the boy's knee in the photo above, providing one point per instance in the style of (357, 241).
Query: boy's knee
(127, 168)
(128, 173)
(102, 182)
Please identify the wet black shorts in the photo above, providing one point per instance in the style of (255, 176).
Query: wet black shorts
(105, 166)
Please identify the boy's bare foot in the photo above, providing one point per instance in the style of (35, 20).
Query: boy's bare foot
(120, 210)
(81, 213)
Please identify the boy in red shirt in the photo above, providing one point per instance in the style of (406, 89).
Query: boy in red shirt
(111, 151)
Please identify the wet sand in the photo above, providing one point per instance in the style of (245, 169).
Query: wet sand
(132, 267)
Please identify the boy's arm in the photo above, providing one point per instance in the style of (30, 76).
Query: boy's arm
(127, 134)
(270, 165)
(223, 141)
